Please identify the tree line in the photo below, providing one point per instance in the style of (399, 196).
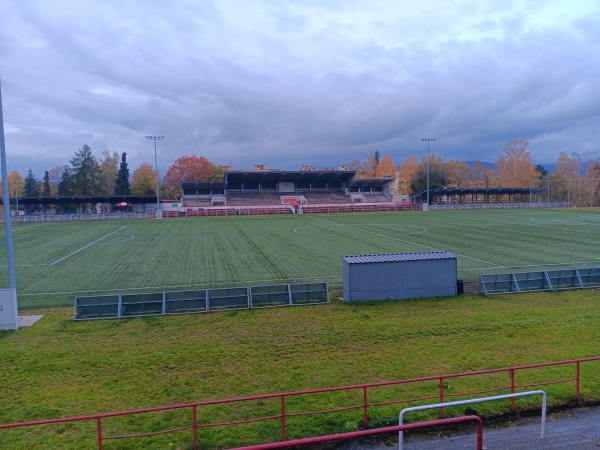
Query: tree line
(87, 175)
(571, 180)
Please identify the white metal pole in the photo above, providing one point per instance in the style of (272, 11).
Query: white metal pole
(428, 140)
(12, 278)
(158, 208)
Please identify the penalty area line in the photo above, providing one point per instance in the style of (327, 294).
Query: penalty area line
(403, 241)
(85, 246)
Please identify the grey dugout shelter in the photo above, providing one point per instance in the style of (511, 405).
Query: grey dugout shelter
(399, 276)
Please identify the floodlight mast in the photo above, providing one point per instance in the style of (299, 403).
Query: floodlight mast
(158, 208)
(428, 140)
(12, 278)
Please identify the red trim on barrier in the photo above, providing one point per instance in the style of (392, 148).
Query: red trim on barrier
(357, 434)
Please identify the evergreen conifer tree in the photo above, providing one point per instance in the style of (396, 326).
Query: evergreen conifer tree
(122, 186)
(46, 191)
(30, 185)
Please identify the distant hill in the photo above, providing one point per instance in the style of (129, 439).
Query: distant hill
(549, 167)
(487, 165)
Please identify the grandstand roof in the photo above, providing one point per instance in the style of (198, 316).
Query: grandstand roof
(277, 176)
(372, 182)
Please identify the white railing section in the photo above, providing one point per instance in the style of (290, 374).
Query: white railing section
(469, 401)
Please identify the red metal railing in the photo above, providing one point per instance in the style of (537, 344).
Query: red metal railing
(365, 405)
(362, 433)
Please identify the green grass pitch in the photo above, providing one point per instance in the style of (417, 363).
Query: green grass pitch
(57, 261)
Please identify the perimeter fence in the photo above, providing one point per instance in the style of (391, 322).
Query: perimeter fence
(511, 205)
(42, 218)
(199, 418)
(542, 280)
(117, 306)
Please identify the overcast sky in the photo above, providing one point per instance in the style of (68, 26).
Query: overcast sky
(287, 83)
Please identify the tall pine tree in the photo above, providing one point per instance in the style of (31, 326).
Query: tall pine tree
(65, 184)
(46, 191)
(30, 185)
(86, 173)
(30, 189)
(122, 186)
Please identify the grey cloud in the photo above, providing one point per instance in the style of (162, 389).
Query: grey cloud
(294, 85)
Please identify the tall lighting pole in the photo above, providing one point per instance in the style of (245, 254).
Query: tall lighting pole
(12, 278)
(156, 138)
(428, 140)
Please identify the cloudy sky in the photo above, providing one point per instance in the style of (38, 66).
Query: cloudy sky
(286, 83)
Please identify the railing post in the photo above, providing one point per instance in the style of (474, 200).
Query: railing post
(577, 382)
(512, 387)
(442, 396)
(99, 426)
(195, 426)
(365, 407)
(479, 435)
(283, 432)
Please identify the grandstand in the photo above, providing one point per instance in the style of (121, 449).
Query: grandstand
(262, 191)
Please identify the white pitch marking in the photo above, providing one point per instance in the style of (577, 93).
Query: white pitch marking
(149, 288)
(420, 230)
(406, 242)
(560, 222)
(16, 230)
(590, 216)
(16, 238)
(130, 237)
(85, 246)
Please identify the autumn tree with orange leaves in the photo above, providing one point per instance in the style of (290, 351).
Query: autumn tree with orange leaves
(515, 167)
(458, 174)
(143, 180)
(407, 171)
(188, 169)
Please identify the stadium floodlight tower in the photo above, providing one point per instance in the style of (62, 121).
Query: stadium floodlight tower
(428, 140)
(156, 138)
(9, 313)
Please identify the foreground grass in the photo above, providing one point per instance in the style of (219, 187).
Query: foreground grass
(60, 368)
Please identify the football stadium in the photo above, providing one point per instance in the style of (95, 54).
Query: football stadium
(260, 372)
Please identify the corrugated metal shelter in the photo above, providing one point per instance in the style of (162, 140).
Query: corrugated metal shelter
(399, 276)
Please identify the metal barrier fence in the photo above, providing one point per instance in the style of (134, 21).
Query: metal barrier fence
(364, 405)
(511, 205)
(43, 218)
(544, 280)
(117, 306)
